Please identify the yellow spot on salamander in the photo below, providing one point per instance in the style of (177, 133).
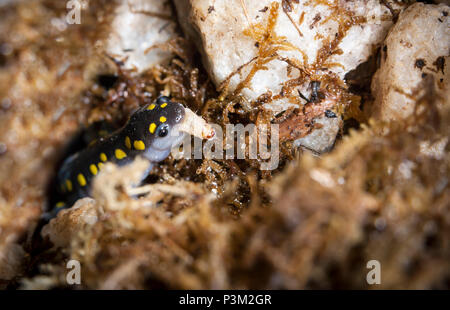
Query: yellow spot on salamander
(81, 179)
(162, 119)
(100, 166)
(69, 185)
(152, 128)
(163, 105)
(120, 154)
(103, 157)
(128, 143)
(151, 107)
(139, 145)
(93, 169)
(60, 204)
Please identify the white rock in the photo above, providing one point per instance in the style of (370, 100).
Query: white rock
(217, 27)
(138, 25)
(418, 39)
(323, 139)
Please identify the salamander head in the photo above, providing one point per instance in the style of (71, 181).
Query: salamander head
(154, 127)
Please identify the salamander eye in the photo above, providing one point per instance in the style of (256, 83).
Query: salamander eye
(162, 131)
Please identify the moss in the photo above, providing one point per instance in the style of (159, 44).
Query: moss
(312, 223)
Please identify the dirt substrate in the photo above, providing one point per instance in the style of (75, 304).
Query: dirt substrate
(381, 194)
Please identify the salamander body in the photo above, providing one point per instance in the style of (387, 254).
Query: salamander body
(151, 132)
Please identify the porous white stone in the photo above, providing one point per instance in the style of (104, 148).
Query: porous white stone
(411, 52)
(217, 27)
(138, 25)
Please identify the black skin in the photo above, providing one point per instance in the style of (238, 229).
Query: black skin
(157, 148)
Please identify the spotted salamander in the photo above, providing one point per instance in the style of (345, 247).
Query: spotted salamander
(150, 132)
